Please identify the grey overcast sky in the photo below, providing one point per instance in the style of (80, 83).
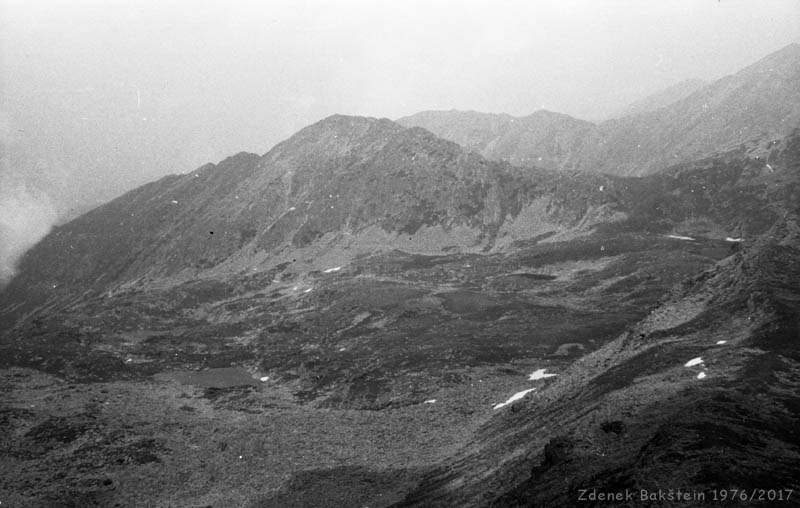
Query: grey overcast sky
(99, 96)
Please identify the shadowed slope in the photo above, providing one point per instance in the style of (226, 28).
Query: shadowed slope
(639, 415)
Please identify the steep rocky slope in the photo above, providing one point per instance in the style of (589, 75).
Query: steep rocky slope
(760, 102)
(699, 396)
(342, 187)
(737, 193)
(351, 186)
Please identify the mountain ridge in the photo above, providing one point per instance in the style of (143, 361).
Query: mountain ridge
(349, 186)
(759, 102)
(662, 98)
(338, 184)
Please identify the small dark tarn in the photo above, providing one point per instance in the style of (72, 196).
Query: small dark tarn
(62, 430)
(143, 451)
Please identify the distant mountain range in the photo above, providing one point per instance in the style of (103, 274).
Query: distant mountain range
(681, 124)
(543, 139)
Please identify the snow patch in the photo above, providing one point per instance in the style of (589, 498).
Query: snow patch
(514, 398)
(679, 237)
(430, 401)
(702, 375)
(539, 374)
(721, 342)
(331, 270)
(263, 379)
(737, 240)
(693, 362)
(307, 290)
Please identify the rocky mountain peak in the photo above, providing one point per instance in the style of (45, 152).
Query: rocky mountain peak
(337, 136)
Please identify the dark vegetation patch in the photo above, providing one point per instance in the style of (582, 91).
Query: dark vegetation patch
(99, 494)
(59, 429)
(67, 353)
(117, 450)
(143, 451)
(651, 361)
(343, 486)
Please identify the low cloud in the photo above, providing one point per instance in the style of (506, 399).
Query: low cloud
(26, 216)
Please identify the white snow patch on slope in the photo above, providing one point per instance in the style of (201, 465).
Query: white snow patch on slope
(331, 270)
(514, 398)
(721, 342)
(539, 374)
(702, 375)
(679, 237)
(430, 401)
(737, 240)
(693, 362)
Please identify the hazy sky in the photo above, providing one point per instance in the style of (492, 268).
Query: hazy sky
(98, 96)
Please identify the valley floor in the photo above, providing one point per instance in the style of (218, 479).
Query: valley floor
(274, 396)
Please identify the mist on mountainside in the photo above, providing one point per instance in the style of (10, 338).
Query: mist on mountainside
(26, 215)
